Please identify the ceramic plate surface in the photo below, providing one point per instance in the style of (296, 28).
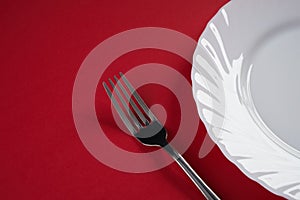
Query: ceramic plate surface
(246, 80)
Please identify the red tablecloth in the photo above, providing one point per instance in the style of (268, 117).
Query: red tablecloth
(43, 44)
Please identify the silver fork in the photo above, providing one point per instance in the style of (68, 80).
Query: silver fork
(146, 128)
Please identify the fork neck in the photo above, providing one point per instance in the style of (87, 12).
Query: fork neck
(153, 134)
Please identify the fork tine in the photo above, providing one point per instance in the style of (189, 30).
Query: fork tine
(116, 105)
(125, 105)
(138, 98)
(132, 103)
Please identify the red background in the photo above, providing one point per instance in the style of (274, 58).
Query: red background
(43, 44)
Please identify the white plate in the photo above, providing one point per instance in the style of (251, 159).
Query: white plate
(246, 79)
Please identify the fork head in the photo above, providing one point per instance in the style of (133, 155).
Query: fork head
(137, 117)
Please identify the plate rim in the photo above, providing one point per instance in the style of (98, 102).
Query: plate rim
(207, 125)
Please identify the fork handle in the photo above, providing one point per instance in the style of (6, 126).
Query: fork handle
(201, 185)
